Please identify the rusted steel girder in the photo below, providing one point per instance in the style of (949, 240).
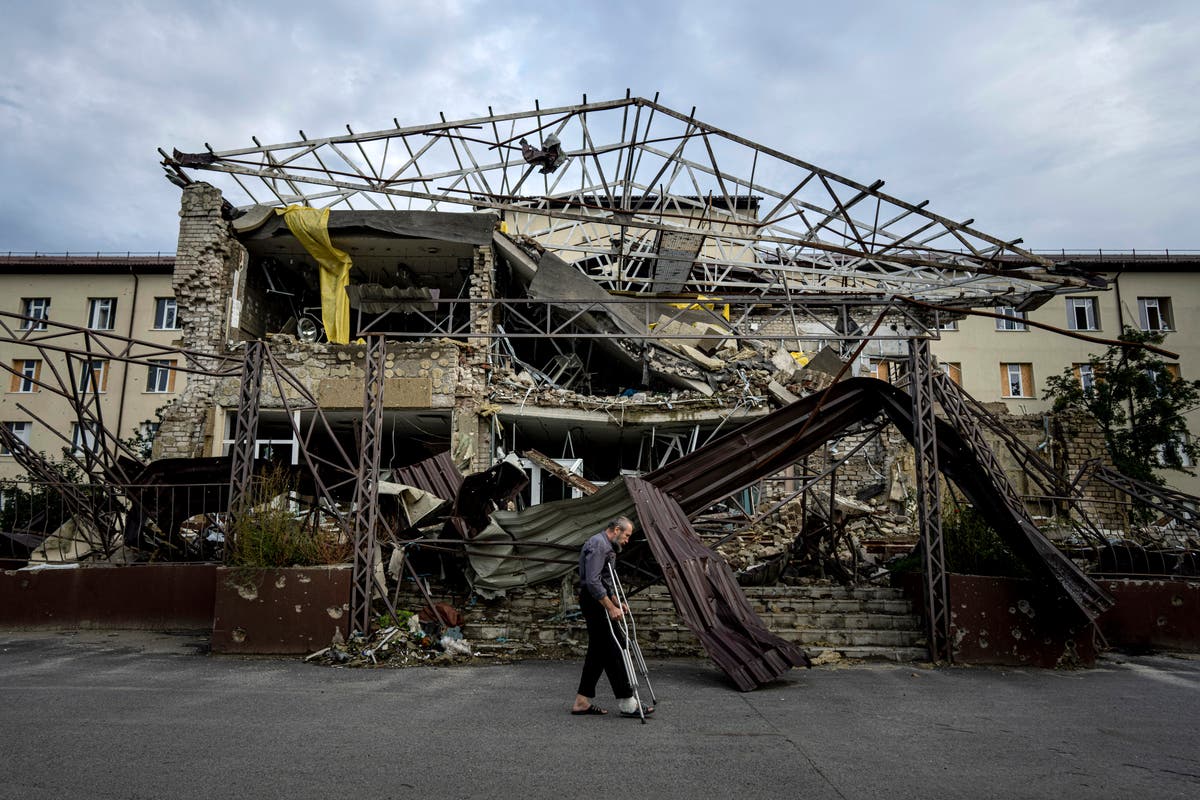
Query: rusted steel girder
(241, 452)
(929, 501)
(366, 494)
(769, 444)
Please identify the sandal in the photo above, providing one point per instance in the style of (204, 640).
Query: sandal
(646, 711)
(589, 711)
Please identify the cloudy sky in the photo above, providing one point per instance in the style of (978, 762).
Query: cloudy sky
(1072, 124)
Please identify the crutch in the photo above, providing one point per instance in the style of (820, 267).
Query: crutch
(631, 654)
(636, 648)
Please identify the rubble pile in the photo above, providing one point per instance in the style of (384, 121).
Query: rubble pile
(752, 373)
(408, 643)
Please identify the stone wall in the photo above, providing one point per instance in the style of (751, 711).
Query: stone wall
(206, 258)
(470, 426)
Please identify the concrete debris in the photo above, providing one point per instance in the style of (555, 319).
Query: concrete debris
(408, 643)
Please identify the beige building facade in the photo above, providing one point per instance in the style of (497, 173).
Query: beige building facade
(1008, 362)
(109, 296)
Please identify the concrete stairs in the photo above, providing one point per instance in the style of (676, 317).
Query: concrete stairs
(831, 623)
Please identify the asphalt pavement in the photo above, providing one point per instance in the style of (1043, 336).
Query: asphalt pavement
(135, 715)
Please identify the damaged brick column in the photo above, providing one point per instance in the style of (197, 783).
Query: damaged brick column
(470, 431)
(207, 258)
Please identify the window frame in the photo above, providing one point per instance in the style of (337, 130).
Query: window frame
(952, 370)
(1091, 313)
(1162, 310)
(93, 371)
(80, 442)
(1025, 377)
(881, 369)
(161, 372)
(27, 428)
(1011, 325)
(22, 381)
(28, 309)
(161, 304)
(1086, 375)
(102, 306)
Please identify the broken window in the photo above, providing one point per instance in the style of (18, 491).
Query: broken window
(39, 309)
(102, 313)
(1017, 380)
(166, 316)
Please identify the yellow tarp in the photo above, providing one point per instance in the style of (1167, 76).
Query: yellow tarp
(311, 227)
(724, 310)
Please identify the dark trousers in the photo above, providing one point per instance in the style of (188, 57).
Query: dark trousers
(603, 655)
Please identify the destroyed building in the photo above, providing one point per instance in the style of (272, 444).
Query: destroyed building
(647, 314)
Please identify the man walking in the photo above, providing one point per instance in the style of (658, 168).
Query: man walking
(599, 604)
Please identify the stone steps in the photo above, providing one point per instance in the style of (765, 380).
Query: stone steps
(831, 623)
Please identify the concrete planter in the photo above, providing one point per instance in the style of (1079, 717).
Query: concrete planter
(1154, 614)
(286, 610)
(1006, 621)
(138, 596)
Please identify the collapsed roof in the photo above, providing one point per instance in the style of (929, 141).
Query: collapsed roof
(646, 199)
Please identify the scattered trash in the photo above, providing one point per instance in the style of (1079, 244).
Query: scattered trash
(400, 641)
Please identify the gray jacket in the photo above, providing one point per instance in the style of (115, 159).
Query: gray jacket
(594, 559)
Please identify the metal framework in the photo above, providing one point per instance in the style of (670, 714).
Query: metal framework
(644, 198)
(241, 452)
(366, 494)
(929, 501)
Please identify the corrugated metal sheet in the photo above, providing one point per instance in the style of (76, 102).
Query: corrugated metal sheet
(707, 596)
(552, 532)
(436, 475)
(767, 445)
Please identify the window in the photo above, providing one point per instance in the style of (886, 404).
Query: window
(948, 325)
(952, 369)
(83, 439)
(160, 376)
(102, 313)
(1154, 314)
(880, 369)
(1016, 380)
(93, 376)
(1155, 378)
(1082, 314)
(166, 316)
(38, 308)
(1086, 376)
(18, 429)
(26, 373)
(1173, 454)
(1010, 324)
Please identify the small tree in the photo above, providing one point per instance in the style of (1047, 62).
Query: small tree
(1139, 405)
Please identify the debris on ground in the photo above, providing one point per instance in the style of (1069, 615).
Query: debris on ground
(407, 641)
